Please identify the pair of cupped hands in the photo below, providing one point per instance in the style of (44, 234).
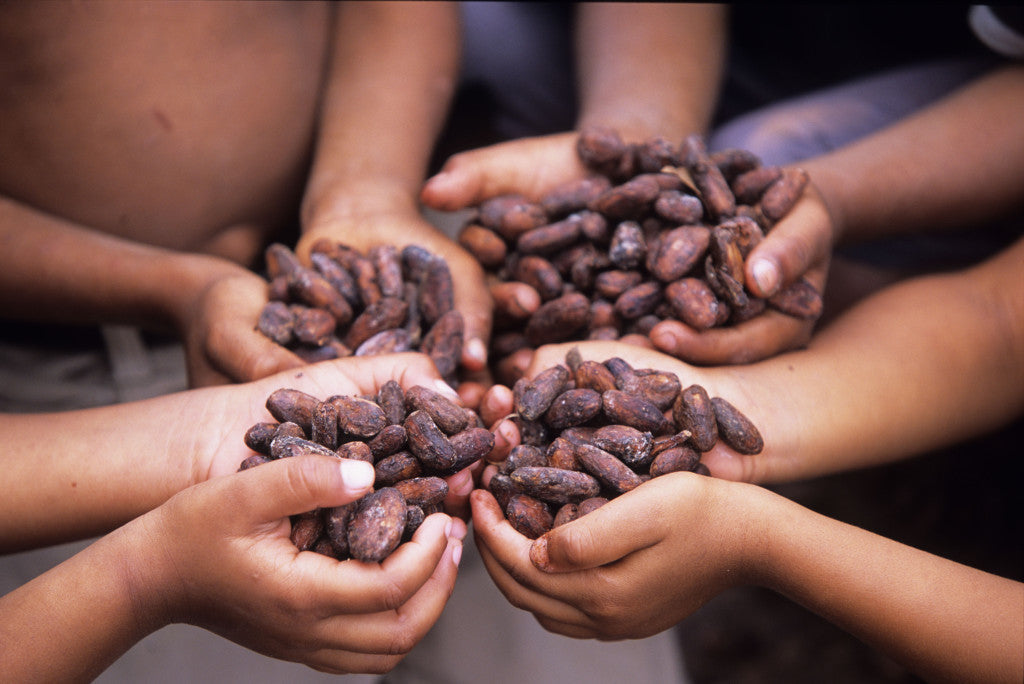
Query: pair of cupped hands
(629, 569)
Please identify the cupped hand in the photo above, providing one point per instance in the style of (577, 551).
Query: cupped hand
(632, 568)
(222, 344)
(798, 246)
(405, 226)
(221, 558)
(764, 392)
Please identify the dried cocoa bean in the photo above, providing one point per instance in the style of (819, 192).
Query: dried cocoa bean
(427, 442)
(277, 322)
(287, 446)
(736, 429)
(306, 529)
(535, 396)
(356, 451)
(609, 471)
(290, 405)
(629, 445)
(554, 484)
(693, 411)
(324, 429)
(799, 299)
(376, 526)
(443, 343)
(573, 407)
(781, 195)
(558, 319)
(358, 417)
(423, 491)
(484, 244)
(634, 411)
(396, 467)
(530, 517)
(393, 341)
(677, 459)
(259, 436)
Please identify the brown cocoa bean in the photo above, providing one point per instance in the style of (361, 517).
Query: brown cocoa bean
(799, 299)
(781, 195)
(590, 505)
(679, 251)
(735, 429)
(628, 200)
(733, 161)
(395, 468)
(749, 186)
(443, 343)
(324, 429)
(427, 442)
(678, 207)
(628, 248)
(600, 149)
(358, 417)
(535, 396)
(554, 484)
(629, 445)
(566, 514)
(306, 529)
(436, 291)
(714, 190)
(291, 405)
(287, 446)
(312, 326)
(376, 526)
(694, 412)
(259, 436)
(355, 450)
(277, 322)
(573, 407)
(446, 414)
(638, 301)
(470, 445)
(561, 453)
(528, 516)
(336, 521)
(503, 489)
(540, 274)
(392, 341)
(677, 459)
(391, 399)
(384, 314)
(484, 244)
(573, 195)
(311, 289)
(253, 461)
(558, 319)
(338, 276)
(550, 238)
(634, 411)
(611, 284)
(609, 471)
(423, 491)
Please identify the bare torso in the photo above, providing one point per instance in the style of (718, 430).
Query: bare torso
(184, 125)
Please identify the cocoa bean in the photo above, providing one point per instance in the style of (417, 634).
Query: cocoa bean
(528, 516)
(693, 411)
(609, 471)
(554, 484)
(376, 526)
(736, 429)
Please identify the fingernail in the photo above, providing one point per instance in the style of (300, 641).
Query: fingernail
(476, 350)
(457, 555)
(448, 529)
(446, 389)
(356, 474)
(766, 276)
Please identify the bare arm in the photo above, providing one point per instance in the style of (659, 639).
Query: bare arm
(923, 364)
(633, 568)
(218, 556)
(392, 76)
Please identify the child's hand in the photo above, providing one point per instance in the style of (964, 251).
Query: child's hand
(632, 568)
(218, 555)
(401, 227)
(528, 167)
(799, 246)
(222, 343)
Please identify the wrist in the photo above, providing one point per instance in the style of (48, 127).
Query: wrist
(348, 201)
(183, 281)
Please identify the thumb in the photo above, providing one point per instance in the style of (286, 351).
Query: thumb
(289, 486)
(603, 536)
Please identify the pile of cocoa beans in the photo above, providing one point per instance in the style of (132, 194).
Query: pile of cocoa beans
(592, 431)
(349, 303)
(415, 438)
(656, 231)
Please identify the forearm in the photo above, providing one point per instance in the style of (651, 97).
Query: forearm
(72, 622)
(650, 68)
(55, 270)
(81, 473)
(945, 621)
(393, 73)
(957, 162)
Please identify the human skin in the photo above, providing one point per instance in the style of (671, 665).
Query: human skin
(75, 474)
(218, 555)
(379, 121)
(890, 379)
(124, 197)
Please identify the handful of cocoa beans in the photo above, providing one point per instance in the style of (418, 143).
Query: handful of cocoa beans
(592, 431)
(415, 438)
(349, 303)
(656, 232)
